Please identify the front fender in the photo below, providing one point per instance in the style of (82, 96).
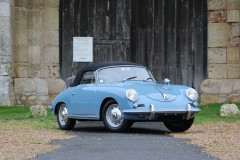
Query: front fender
(63, 97)
(117, 93)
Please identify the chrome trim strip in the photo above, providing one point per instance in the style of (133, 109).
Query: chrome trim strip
(176, 111)
(152, 110)
(189, 111)
(136, 112)
(90, 117)
(156, 111)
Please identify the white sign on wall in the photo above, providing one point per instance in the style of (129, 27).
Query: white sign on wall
(82, 49)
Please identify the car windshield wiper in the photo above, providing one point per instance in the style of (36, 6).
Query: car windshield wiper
(130, 78)
(149, 78)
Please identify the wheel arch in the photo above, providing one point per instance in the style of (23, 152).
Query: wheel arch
(103, 103)
(56, 107)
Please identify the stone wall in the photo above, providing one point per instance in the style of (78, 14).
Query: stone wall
(6, 92)
(223, 83)
(36, 51)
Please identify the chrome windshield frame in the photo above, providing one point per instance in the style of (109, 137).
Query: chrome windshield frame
(97, 73)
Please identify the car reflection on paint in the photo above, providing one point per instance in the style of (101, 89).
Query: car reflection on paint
(121, 93)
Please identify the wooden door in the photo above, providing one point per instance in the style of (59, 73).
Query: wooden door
(168, 36)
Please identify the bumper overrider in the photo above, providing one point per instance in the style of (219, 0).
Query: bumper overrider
(189, 111)
(51, 108)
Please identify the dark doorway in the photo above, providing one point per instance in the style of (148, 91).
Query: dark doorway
(168, 36)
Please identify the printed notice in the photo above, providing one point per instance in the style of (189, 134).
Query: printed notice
(82, 49)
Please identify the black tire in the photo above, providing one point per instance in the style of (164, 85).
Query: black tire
(125, 124)
(130, 123)
(179, 126)
(70, 123)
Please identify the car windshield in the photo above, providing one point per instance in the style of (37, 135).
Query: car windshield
(113, 74)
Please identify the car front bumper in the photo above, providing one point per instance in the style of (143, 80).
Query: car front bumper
(153, 114)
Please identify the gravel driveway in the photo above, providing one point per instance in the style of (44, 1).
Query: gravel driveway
(145, 140)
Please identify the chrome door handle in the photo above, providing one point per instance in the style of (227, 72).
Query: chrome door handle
(74, 93)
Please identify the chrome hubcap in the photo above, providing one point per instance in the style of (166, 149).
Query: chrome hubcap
(63, 114)
(114, 116)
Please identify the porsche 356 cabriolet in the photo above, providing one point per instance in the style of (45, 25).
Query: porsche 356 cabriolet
(120, 93)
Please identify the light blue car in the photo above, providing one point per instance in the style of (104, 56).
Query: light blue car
(120, 93)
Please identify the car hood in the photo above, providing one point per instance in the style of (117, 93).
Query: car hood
(156, 91)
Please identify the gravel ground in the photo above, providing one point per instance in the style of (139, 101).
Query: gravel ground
(21, 142)
(220, 140)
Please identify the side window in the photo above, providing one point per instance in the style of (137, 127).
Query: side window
(88, 78)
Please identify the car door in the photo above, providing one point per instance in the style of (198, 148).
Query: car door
(83, 97)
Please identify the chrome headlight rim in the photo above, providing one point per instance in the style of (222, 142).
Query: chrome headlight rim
(132, 95)
(192, 94)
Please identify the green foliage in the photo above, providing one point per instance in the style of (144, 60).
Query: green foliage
(211, 114)
(19, 113)
(14, 113)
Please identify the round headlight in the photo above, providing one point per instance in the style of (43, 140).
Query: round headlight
(192, 94)
(132, 95)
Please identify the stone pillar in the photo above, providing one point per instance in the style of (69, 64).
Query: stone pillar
(223, 83)
(36, 52)
(6, 16)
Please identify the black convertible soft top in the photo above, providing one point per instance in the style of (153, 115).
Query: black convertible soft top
(95, 66)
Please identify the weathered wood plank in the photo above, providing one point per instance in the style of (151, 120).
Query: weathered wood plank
(141, 46)
(198, 43)
(170, 39)
(149, 52)
(112, 13)
(67, 31)
(133, 30)
(159, 63)
(190, 43)
(182, 42)
(103, 52)
(145, 33)
(123, 15)
(121, 51)
(205, 38)
(61, 37)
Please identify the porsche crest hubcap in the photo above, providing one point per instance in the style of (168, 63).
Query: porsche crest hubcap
(63, 114)
(114, 115)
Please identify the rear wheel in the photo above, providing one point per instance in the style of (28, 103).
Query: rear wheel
(179, 126)
(113, 118)
(64, 121)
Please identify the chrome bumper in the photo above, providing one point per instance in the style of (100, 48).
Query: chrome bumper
(189, 111)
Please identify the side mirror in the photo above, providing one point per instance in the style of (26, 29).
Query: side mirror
(166, 81)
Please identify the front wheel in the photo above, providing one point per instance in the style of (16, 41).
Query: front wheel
(64, 121)
(113, 118)
(179, 126)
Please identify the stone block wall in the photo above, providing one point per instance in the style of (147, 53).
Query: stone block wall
(6, 92)
(223, 83)
(36, 51)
